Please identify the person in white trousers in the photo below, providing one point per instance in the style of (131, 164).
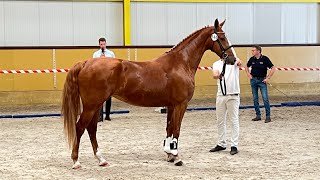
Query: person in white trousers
(227, 105)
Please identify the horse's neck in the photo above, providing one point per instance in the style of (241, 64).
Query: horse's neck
(195, 48)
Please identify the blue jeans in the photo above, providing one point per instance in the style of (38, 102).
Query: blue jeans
(257, 83)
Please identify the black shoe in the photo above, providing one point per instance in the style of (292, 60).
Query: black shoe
(268, 119)
(256, 119)
(100, 120)
(234, 150)
(107, 119)
(217, 148)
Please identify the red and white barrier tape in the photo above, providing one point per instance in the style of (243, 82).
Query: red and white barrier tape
(279, 69)
(199, 68)
(33, 71)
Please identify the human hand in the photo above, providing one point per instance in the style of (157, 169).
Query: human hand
(266, 80)
(238, 62)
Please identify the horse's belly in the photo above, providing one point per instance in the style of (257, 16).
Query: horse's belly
(146, 100)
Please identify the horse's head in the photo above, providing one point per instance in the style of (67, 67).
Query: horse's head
(219, 43)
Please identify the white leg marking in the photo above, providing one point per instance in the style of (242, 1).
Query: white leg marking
(76, 165)
(166, 146)
(99, 156)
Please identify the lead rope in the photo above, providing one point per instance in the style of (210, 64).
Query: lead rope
(223, 88)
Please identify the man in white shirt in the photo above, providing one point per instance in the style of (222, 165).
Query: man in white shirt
(104, 52)
(227, 104)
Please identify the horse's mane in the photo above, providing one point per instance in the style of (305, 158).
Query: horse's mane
(191, 35)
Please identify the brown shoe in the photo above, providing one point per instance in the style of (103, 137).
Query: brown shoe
(268, 119)
(256, 118)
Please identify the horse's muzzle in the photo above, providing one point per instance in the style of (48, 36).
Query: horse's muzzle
(230, 60)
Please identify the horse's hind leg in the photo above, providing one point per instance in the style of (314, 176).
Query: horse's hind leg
(82, 123)
(92, 131)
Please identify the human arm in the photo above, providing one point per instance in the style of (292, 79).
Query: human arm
(249, 64)
(216, 74)
(238, 62)
(215, 70)
(272, 71)
(248, 72)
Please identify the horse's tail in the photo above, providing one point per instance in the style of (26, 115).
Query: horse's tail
(71, 103)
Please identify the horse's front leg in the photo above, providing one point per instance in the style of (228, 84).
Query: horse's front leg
(177, 116)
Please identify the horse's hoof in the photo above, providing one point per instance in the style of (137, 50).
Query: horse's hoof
(170, 158)
(178, 162)
(103, 163)
(76, 165)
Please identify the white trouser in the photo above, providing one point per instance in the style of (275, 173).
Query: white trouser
(228, 104)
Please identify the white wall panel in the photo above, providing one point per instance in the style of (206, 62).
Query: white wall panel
(93, 20)
(33, 23)
(114, 23)
(312, 21)
(208, 12)
(150, 25)
(293, 17)
(318, 19)
(56, 23)
(182, 21)
(21, 23)
(89, 20)
(247, 23)
(239, 27)
(1, 23)
(267, 23)
(134, 23)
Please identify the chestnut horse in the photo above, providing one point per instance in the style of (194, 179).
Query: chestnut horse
(166, 81)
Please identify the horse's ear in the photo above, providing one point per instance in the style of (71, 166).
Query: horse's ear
(222, 23)
(216, 24)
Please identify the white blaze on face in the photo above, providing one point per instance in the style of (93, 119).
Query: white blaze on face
(233, 51)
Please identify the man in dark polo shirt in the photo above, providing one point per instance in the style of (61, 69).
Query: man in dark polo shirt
(259, 79)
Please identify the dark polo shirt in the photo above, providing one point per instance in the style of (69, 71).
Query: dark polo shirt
(259, 66)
